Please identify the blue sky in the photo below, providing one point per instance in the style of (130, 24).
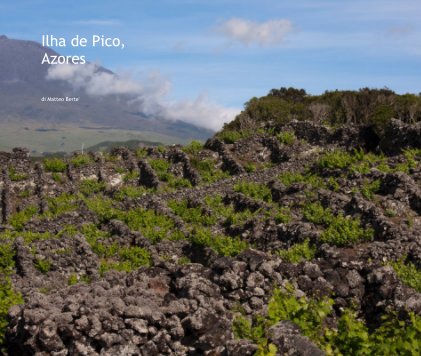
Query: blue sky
(233, 50)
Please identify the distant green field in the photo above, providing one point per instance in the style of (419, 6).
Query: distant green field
(69, 138)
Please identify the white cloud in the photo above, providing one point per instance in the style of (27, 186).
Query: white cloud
(200, 111)
(94, 81)
(268, 33)
(149, 94)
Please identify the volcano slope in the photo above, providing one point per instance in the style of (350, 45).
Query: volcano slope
(295, 239)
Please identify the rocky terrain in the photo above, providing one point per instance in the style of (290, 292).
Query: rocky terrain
(295, 239)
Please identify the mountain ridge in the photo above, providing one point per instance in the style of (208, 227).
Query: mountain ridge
(23, 83)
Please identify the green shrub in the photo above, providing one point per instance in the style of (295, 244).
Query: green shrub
(130, 192)
(103, 250)
(62, 204)
(91, 186)
(380, 116)
(339, 230)
(131, 176)
(287, 138)
(238, 217)
(19, 219)
(412, 160)
(307, 314)
(161, 149)
(298, 253)
(250, 167)
(126, 259)
(75, 279)
(232, 136)
(68, 230)
(92, 233)
(8, 298)
(184, 260)
(15, 176)
(193, 215)
(44, 266)
(152, 225)
(274, 108)
(343, 231)
(135, 257)
(215, 202)
(397, 337)
(283, 216)
(316, 214)
(289, 178)
(178, 183)
(95, 237)
(28, 236)
(103, 207)
(25, 193)
(254, 190)
(223, 245)
(57, 177)
(227, 212)
(244, 329)
(55, 165)
(350, 338)
(394, 336)
(81, 160)
(194, 147)
(408, 273)
(7, 262)
(159, 165)
(368, 189)
(333, 184)
(141, 152)
(366, 106)
(207, 170)
(337, 159)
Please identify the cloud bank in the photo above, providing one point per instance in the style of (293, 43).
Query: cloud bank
(268, 33)
(149, 94)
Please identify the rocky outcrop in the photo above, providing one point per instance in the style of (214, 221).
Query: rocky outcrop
(147, 176)
(136, 265)
(399, 135)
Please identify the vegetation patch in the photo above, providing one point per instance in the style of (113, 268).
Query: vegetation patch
(408, 273)
(152, 225)
(91, 187)
(81, 160)
(15, 176)
(223, 245)
(207, 170)
(193, 215)
(298, 252)
(254, 190)
(232, 136)
(339, 230)
(286, 137)
(394, 336)
(193, 147)
(54, 165)
(19, 219)
(61, 204)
